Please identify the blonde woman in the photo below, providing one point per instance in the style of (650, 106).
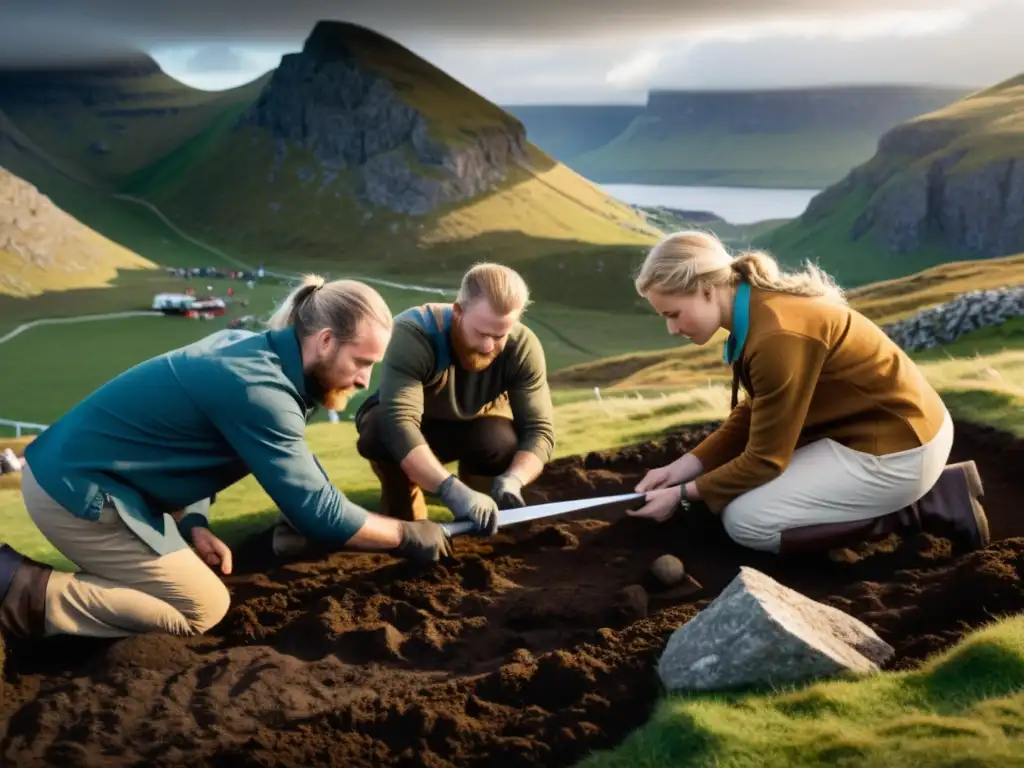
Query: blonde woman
(839, 437)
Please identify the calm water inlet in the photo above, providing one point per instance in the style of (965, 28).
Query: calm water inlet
(737, 205)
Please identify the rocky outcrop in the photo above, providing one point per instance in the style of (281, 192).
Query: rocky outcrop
(352, 118)
(978, 210)
(951, 179)
(945, 323)
(759, 632)
(31, 226)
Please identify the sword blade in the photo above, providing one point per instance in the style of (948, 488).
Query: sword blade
(508, 517)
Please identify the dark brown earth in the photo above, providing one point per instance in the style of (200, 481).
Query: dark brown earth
(533, 648)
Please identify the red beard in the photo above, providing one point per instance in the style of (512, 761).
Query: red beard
(337, 399)
(468, 358)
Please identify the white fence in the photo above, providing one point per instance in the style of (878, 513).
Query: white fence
(20, 426)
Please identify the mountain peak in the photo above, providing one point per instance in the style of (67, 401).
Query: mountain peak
(335, 39)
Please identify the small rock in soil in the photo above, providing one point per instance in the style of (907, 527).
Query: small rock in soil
(667, 570)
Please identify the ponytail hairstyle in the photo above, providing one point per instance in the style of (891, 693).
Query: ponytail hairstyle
(694, 260)
(340, 305)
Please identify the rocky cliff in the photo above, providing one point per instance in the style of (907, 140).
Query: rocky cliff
(953, 179)
(339, 99)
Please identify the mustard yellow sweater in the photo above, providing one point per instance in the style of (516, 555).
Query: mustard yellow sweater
(813, 369)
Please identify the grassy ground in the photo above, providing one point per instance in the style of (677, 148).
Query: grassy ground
(582, 424)
(92, 352)
(964, 707)
(883, 302)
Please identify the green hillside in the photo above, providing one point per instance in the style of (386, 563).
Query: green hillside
(427, 172)
(945, 185)
(794, 138)
(42, 247)
(109, 119)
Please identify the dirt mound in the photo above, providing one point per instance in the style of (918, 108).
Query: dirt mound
(531, 648)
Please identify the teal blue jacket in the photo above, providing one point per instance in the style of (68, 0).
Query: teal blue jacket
(173, 431)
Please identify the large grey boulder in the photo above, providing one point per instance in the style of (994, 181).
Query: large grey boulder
(759, 632)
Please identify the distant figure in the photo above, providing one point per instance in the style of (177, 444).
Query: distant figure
(122, 485)
(840, 438)
(9, 463)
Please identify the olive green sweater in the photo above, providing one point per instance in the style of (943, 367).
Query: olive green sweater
(420, 378)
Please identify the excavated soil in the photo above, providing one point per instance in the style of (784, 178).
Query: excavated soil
(533, 648)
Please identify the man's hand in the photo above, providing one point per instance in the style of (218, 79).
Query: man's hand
(467, 504)
(661, 504)
(507, 491)
(212, 550)
(424, 541)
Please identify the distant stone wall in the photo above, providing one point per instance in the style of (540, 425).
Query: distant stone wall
(947, 322)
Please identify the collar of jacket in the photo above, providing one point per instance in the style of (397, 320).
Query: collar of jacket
(286, 343)
(740, 324)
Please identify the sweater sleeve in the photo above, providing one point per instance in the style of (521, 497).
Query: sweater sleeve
(266, 428)
(728, 441)
(530, 400)
(408, 362)
(784, 370)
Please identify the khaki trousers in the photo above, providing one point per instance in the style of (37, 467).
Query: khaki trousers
(123, 587)
(826, 482)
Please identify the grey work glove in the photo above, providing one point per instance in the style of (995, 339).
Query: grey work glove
(424, 541)
(507, 490)
(467, 504)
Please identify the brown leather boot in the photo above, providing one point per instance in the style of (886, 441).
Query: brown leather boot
(949, 508)
(400, 497)
(22, 594)
(952, 507)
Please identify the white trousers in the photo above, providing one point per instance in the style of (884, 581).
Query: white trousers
(826, 482)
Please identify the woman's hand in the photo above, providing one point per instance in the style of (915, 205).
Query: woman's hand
(212, 550)
(662, 477)
(660, 504)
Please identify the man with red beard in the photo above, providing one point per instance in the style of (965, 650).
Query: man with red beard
(122, 484)
(462, 382)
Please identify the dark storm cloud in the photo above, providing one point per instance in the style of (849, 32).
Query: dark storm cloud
(55, 28)
(545, 51)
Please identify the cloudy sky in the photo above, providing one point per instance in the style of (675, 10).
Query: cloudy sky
(554, 51)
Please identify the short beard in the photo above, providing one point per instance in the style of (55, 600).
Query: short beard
(470, 359)
(333, 399)
(337, 399)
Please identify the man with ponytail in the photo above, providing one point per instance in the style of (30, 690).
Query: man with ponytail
(122, 484)
(839, 437)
